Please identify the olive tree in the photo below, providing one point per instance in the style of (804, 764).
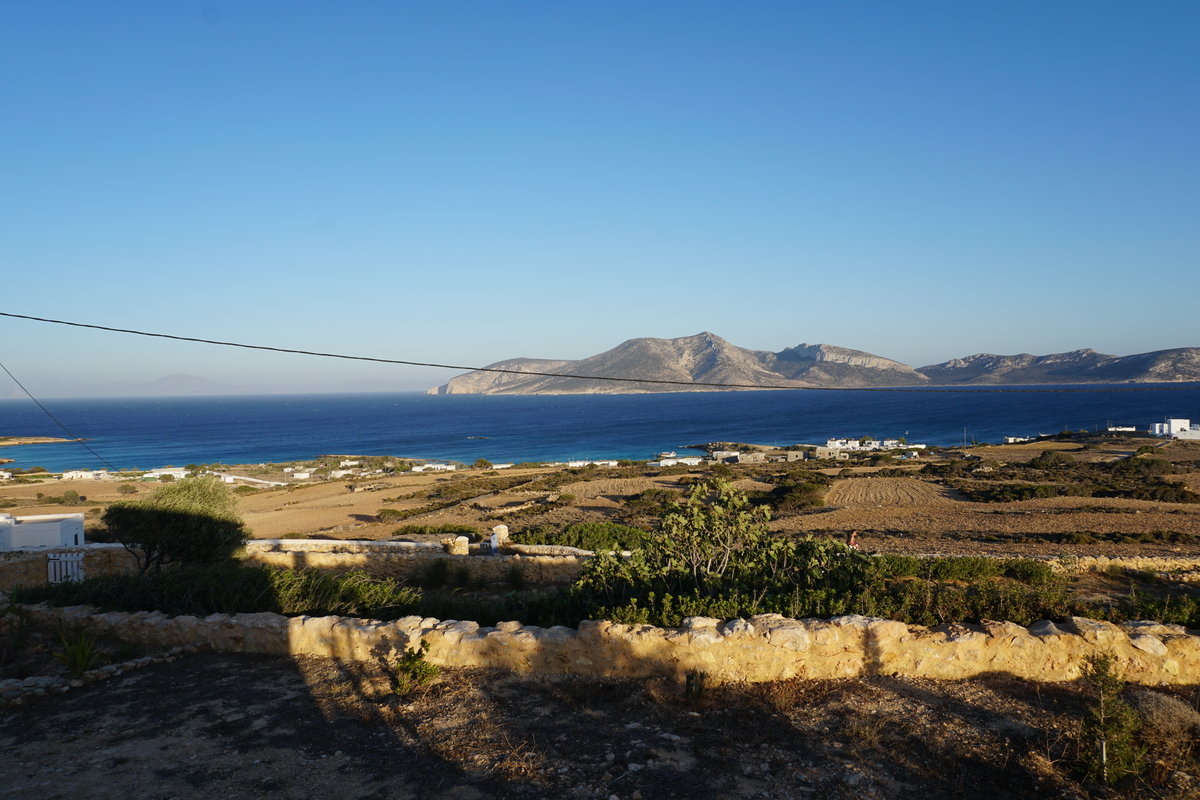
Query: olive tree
(189, 522)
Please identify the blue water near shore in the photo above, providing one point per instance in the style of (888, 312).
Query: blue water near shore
(154, 432)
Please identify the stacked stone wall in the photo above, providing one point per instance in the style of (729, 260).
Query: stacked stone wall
(764, 647)
(30, 567)
(411, 561)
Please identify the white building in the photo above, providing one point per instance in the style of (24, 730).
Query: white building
(340, 473)
(349, 464)
(85, 475)
(1176, 429)
(176, 473)
(434, 468)
(42, 530)
(245, 481)
(5, 476)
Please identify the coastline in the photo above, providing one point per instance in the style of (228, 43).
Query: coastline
(13, 441)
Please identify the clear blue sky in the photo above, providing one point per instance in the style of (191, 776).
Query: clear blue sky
(467, 182)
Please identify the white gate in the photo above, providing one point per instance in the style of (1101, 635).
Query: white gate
(65, 567)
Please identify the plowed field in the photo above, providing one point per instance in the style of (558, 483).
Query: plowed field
(860, 492)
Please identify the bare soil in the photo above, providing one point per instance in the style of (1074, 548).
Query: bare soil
(247, 727)
(877, 492)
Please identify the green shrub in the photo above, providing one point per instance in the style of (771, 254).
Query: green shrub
(79, 652)
(1106, 746)
(412, 671)
(389, 515)
(1050, 459)
(191, 522)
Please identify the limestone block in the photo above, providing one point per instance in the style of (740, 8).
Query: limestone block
(793, 636)
(1149, 626)
(1095, 631)
(1148, 644)
(591, 631)
(700, 622)
(738, 629)
(1046, 628)
(1006, 632)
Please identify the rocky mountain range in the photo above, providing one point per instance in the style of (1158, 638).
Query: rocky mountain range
(696, 363)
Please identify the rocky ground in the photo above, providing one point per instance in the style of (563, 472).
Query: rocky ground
(245, 727)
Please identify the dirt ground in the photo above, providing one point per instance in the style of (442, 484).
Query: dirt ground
(236, 727)
(876, 492)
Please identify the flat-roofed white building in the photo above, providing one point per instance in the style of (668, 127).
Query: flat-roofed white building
(1176, 429)
(176, 473)
(85, 475)
(42, 530)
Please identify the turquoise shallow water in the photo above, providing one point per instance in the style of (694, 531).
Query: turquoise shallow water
(154, 432)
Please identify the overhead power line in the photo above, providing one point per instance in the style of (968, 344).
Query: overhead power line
(56, 420)
(574, 377)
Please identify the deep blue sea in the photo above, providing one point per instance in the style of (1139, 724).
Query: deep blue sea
(146, 433)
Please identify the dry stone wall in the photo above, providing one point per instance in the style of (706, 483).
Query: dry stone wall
(29, 567)
(411, 560)
(764, 647)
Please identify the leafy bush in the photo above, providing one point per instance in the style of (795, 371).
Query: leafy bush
(1050, 459)
(79, 652)
(412, 671)
(191, 522)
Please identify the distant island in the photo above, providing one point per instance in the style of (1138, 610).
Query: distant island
(707, 358)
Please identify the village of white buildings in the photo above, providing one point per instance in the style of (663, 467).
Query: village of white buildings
(66, 530)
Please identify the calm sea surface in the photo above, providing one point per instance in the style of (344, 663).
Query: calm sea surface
(154, 432)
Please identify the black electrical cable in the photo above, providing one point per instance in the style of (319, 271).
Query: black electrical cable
(56, 420)
(585, 377)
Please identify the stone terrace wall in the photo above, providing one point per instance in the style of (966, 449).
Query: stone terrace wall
(28, 567)
(411, 560)
(764, 647)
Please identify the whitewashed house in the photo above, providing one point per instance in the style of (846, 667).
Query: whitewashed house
(42, 530)
(434, 468)
(5, 476)
(1176, 429)
(176, 473)
(350, 464)
(85, 475)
